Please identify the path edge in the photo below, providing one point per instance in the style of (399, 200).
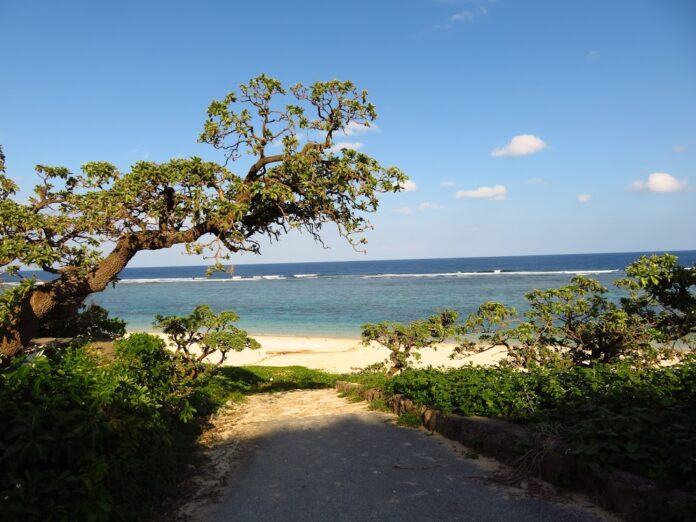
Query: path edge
(633, 497)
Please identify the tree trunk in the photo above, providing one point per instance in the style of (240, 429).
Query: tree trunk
(62, 297)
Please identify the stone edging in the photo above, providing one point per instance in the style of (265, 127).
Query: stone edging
(634, 497)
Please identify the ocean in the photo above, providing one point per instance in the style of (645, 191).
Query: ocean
(336, 298)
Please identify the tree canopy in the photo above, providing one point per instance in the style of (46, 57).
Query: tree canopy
(296, 179)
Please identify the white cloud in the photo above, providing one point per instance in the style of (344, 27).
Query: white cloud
(429, 206)
(679, 149)
(538, 182)
(660, 182)
(521, 145)
(345, 145)
(354, 128)
(462, 16)
(584, 198)
(592, 56)
(409, 186)
(499, 192)
(448, 184)
(404, 210)
(474, 11)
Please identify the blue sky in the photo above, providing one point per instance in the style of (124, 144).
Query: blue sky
(601, 96)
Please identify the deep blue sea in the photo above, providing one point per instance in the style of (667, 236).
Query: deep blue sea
(334, 299)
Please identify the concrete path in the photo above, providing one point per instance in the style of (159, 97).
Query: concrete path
(311, 455)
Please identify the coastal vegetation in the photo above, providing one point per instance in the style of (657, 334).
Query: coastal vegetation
(197, 336)
(297, 179)
(405, 341)
(615, 382)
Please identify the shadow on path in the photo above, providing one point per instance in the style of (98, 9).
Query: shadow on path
(345, 463)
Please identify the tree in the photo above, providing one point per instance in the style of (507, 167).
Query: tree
(205, 332)
(197, 203)
(660, 291)
(577, 324)
(405, 341)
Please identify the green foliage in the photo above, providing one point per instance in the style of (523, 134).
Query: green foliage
(263, 379)
(89, 439)
(406, 340)
(638, 419)
(661, 293)
(10, 299)
(206, 331)
(89, 322)
(578, 324)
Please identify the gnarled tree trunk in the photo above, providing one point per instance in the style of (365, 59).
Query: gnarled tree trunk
(62, 296)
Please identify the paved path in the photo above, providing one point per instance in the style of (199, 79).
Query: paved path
(311, 455)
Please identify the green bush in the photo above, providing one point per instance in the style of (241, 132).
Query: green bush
(86, 439)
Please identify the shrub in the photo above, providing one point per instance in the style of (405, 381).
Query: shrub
(405, 341)
(206, 331)
(89, 322)
(578, 324)
(87, 439)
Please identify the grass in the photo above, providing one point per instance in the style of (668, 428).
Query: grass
(235, 382)
(409, 420)
(378, 405)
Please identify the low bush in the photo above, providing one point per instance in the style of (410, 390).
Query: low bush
(89, 439)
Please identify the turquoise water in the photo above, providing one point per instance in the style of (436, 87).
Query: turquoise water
(336, 298)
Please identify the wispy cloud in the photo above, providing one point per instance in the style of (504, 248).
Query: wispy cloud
(448, 184)
(679, 149)
(462, 16)
(498, 192)
(584, 198)
(521, 145)
(537, 182)
(354, 128)
(475, 10)
(429, 206)
(592, 56)
(409, 186)
(404, 210)
(660, 182)
(346, 145)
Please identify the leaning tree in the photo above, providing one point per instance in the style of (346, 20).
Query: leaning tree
(86, 227)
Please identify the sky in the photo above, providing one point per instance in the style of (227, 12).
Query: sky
(525, 126)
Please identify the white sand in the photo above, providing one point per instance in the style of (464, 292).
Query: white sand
(340, 354)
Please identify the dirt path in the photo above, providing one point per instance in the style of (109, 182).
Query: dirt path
(311, 455)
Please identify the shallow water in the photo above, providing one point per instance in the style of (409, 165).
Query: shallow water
(336, 298)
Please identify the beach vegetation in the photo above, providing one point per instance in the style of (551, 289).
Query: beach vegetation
(294, 178)
(86, 438)
(405, 341)
(577, 324)
(198, 336)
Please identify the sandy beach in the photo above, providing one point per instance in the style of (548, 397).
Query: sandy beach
(340, 354)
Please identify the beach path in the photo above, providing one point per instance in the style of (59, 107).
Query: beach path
(312, 455)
